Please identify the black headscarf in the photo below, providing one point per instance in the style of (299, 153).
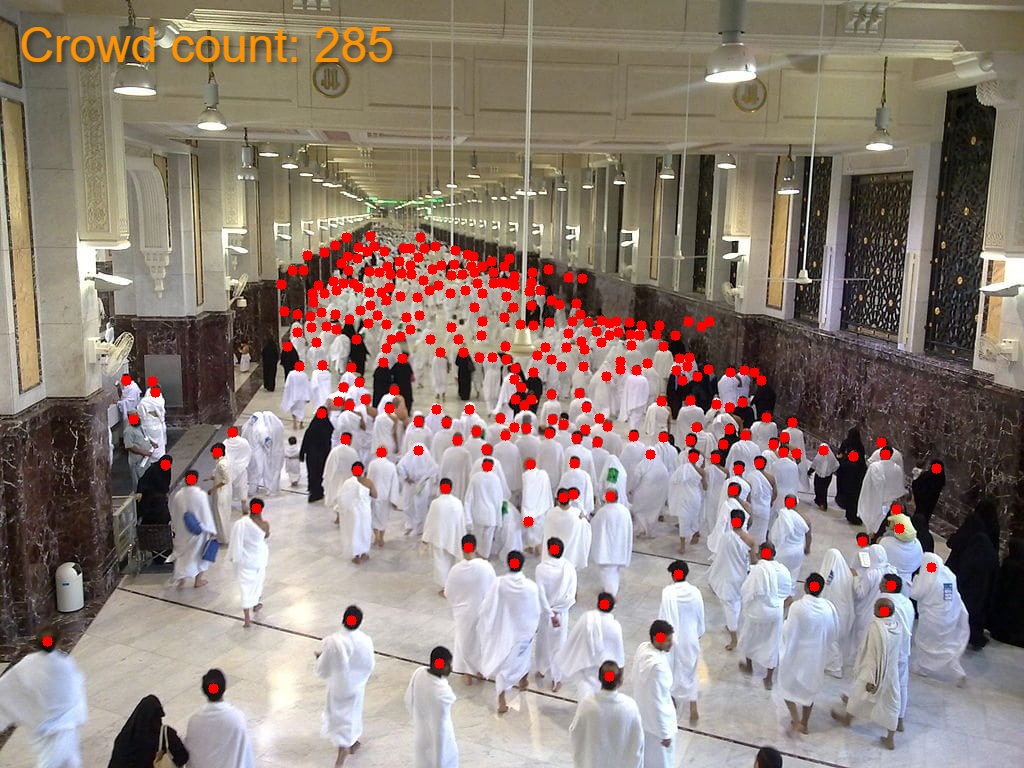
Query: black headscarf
(137, 743)
(852, 442)
(983, 520)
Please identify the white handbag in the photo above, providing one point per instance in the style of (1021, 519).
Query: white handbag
(163, 755)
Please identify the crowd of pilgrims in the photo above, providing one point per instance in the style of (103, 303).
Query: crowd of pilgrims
(539, 470)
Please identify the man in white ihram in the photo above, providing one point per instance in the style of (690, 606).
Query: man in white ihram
(265, 434)
(509, 618)
(682, 606)
(467, 585)
(652, 690)
(607, 731)
(557, 579)
(345, 660)
(44, 694)
(596, 637)
(429, 700)
(217, 735)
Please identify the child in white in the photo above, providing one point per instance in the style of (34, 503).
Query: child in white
(291, 461)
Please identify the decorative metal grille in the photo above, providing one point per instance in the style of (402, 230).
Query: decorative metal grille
(959, 226)
(705, 195)
(807, 302)
(876, 247)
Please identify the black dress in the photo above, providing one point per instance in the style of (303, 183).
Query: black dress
(850, 475)
(926, 489)
(357, 354)
(154, 485)
(270, 357)
(401, 374)
(1006, 617)
(465, 376)
(381, 383)
(764, 399)
(137, 743)
(974, 558)
(316, 445)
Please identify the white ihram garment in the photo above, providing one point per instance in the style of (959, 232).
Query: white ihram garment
(346, 662)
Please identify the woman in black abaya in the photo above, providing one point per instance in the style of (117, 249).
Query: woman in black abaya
(151, 499)
(139, 740)
(357, 354)
(1006, 617)
(316, 444)
(850, 475)
(974, 558)
(464, 364)
(270, 356)
(289, 357)
(381, 382)
(927, 486)
(401, 375)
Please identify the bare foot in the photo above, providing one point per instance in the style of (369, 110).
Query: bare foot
(467, 679)
(695, 539)
(440, 592)
(180, 585)
(746, 667)
(841, 718)
(356, 560)
(899, 725)
(246, 625)
(524, 683)
(888, 742)
(694, 714)
(201, 583)
(355, 748)
(556, 687)
(961, 683)
(682, 547)
(844, 698)
(731, 646)
(767, 683)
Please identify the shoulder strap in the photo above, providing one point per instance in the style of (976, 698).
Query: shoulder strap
(163, 738)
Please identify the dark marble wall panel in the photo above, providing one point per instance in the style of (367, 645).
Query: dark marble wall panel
(926, 407)
(207, 375)
(260, 319)
(54, 507)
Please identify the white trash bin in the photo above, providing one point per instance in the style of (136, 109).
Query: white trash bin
(70, 592)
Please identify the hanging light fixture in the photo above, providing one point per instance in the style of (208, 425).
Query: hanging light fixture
(473, 172)
(248, 170)
(133, 77)
(880, 140)
(304, 169)
(211, 119)
(732, 61)
(267, 150)
(289, 163)
(727, 163)
(620, 174)
(588, 179)
(667, 172)
(436, 191)
(788, 185)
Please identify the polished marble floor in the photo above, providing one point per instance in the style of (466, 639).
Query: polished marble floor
(150, 638)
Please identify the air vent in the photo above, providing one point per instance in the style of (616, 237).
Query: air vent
(312, 6)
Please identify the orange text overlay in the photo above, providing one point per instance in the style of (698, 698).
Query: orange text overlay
(351, 44)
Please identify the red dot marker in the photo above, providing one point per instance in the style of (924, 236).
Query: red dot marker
(513, 563)
(214, 689)
(659, 637)
(438, 663)
(883, 611)
(932, 567)
(737, 522)
(47, 642)
(609, 676)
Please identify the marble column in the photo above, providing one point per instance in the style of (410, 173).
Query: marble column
(55, 501)
(1004, 228)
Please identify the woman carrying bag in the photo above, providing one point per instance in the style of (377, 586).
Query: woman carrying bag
(146, 742)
